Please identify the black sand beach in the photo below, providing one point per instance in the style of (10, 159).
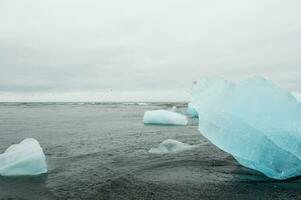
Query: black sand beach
(100, 151)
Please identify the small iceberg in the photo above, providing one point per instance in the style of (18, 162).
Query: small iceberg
(25, 158)
(171, 146)
(255, 121)
(192, 112)
(164, 117)
(142, 104)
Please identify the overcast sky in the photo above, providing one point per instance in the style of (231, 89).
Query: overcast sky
(121, 50)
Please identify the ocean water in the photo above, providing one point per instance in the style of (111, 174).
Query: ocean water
(100, 151)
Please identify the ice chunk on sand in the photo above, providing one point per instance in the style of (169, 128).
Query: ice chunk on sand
(192, 112)
(171, 146)
(297, 96)
(164, 117)
(25, 158)
(255, 121)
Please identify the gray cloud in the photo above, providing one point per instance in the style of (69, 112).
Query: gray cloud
(77, 45)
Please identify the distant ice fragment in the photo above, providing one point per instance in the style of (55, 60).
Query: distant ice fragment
(142, 104)
(174, 109)
(171, 146)
(135, 103)
(192, 112)
(164, 117)
(25, 158)
(128, 103)
(255, 121)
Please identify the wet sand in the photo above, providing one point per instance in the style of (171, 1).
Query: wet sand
(101, 152)
(205, 174)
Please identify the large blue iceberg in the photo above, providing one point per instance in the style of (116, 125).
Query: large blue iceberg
(255, 121)
(25, 158)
